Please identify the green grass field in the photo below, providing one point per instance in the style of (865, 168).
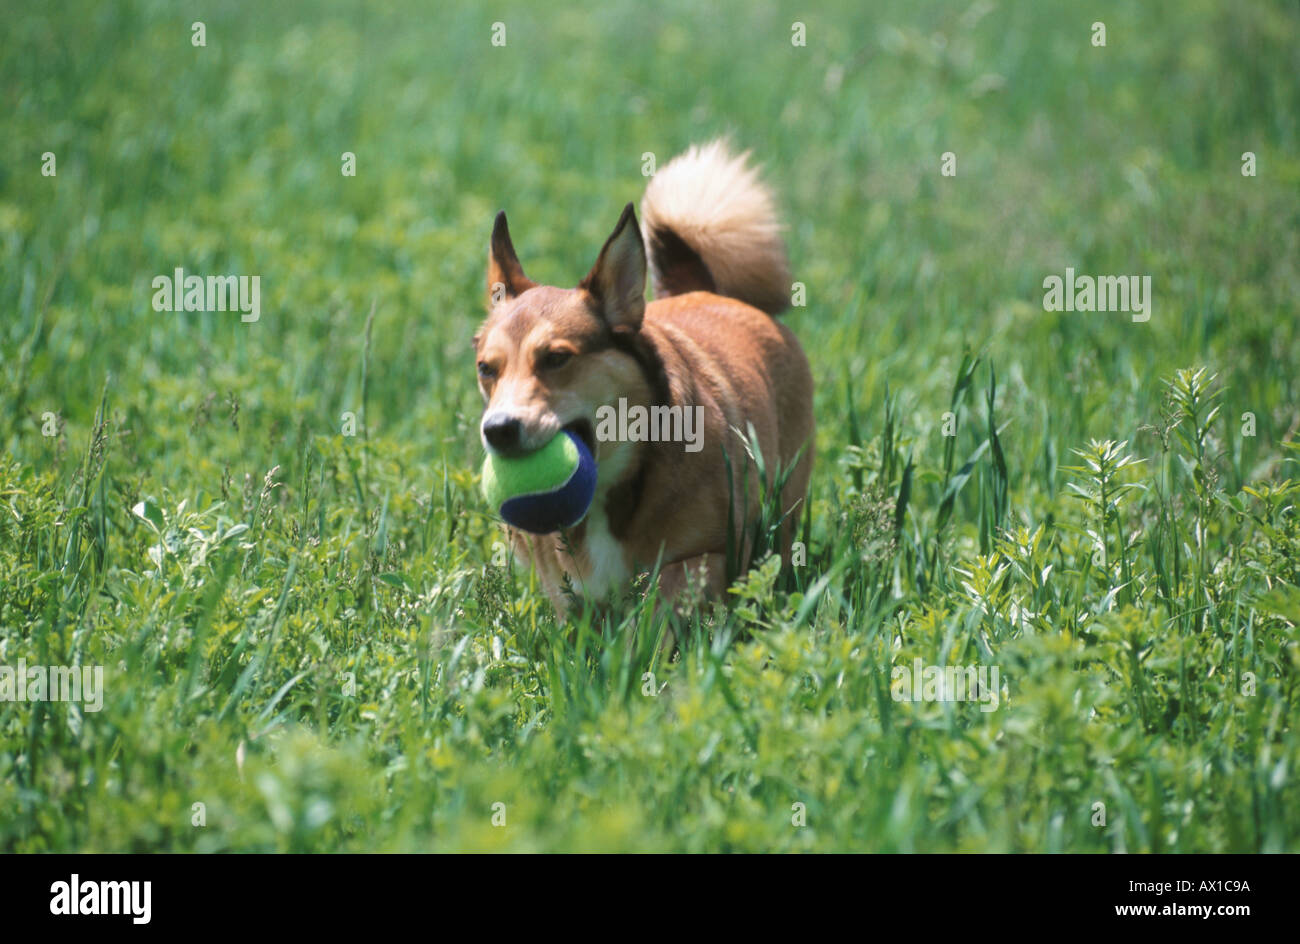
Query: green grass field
(311, 634)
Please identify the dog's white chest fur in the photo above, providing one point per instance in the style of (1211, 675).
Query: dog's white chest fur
(609, 571)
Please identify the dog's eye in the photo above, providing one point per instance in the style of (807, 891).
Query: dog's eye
(486, 370)
(553, 360)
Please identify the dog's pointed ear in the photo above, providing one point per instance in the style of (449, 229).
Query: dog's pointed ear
(505, 276)
(616, 283)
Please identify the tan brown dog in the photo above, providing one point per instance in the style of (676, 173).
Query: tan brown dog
(552, 358)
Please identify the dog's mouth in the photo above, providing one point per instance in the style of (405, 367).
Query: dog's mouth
(584, 431)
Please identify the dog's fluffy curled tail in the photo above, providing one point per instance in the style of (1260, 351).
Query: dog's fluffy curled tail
(710, 225)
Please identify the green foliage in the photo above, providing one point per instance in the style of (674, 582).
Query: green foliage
(316, 635)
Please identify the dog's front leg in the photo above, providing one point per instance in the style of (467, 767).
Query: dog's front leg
(686, 583)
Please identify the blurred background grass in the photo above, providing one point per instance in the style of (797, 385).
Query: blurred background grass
(226, 159)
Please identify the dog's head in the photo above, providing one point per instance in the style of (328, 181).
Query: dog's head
(548, 358)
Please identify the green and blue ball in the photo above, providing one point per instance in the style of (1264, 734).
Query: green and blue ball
(549, 489)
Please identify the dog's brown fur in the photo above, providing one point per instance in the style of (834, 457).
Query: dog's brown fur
(549, 358)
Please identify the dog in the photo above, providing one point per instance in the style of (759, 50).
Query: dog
(549, 359)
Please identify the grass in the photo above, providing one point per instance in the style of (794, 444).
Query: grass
(317, 637)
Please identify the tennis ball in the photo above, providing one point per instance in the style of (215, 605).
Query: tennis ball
(546, 490)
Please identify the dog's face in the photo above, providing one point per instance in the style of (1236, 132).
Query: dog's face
(548, 358)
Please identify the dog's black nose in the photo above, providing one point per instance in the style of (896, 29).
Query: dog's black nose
(502, 432)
